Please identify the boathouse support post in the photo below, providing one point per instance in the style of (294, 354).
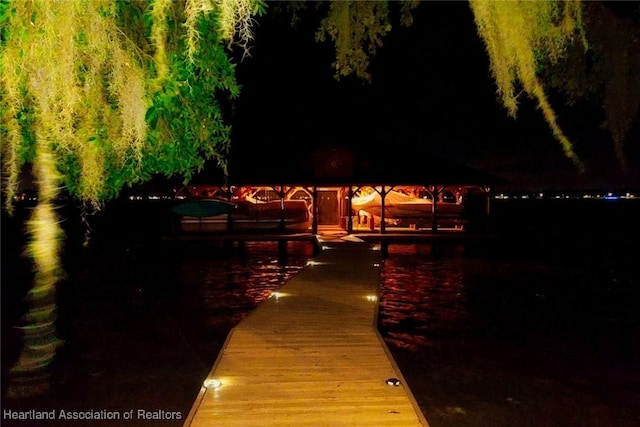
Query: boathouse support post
(353, 193)
(487, 221)
(384, 248)
(487, 191)
(229, 193)
(314, 222)
(280, 191)
(383, 196)
(435, 193)
(349, 216)
(282, 252)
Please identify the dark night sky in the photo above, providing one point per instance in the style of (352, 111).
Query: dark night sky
(431, 91)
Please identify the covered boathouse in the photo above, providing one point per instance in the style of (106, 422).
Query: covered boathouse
(361, 192)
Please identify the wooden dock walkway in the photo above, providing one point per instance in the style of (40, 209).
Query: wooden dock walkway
(311, 354)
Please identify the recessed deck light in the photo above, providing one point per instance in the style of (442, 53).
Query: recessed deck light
(393, 381)
(212, 383)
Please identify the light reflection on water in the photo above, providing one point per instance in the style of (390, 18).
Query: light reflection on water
(420, 299)
(218, 289)
(428, 299)
(562, 305)
(511, 334)
(237, 283)
(425, 297)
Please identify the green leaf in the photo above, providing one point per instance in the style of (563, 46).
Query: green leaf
(152, 117)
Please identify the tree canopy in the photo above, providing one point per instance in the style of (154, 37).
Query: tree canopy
(138, 88)
(585, 51)
(117, 91)
(97, 94)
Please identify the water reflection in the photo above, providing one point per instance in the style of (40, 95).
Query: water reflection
(422, 297)
(217, 289)
(533, 338)
(517, 336)
(427, 297)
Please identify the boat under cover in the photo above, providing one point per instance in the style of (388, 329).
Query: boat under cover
(214, 215)
(398, 205)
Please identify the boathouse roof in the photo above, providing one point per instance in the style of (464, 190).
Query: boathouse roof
(337, 166)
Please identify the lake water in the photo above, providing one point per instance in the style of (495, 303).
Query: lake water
(538, 327)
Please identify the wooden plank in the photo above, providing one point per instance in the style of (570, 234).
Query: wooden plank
(311, 356)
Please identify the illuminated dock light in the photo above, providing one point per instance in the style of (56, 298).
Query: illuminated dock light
(212, 383)
(393, 381)
(372, 298)
(277, 295)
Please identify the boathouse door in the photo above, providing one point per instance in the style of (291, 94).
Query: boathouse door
(328, 207)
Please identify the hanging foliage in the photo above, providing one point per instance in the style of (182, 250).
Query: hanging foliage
(406, 11)
(96, 95)
(55, 56)
(520, 36)
(357, 29)
(524, 39)
(121, 108)
(621, 72)
(608, 74)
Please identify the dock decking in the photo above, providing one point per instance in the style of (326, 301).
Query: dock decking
(311, 355)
